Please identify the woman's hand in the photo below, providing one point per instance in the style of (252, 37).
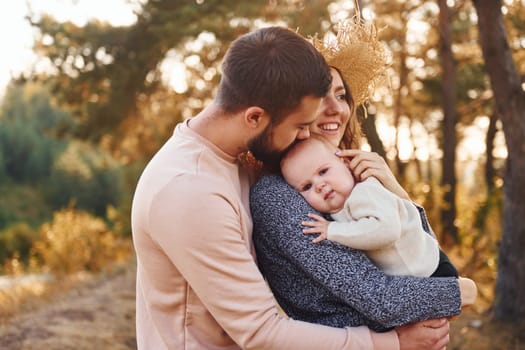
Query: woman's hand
(364, 164)
(428, 335)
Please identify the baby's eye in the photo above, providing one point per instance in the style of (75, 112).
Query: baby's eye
(323, 171)
(306, 187)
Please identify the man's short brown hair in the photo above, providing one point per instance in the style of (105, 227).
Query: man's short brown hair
(273, 68)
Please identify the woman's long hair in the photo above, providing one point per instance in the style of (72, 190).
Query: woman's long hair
(353, 133)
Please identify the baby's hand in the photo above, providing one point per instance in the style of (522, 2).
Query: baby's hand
(318, 226)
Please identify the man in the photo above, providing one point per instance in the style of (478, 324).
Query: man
(198, 286)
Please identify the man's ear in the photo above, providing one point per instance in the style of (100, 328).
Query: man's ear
(255, 117)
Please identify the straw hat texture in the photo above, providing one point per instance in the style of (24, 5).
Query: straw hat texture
(358, 55)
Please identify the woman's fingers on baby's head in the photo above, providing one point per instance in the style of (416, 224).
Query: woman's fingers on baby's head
(366, 173)
(358, 161)
(358, 156)
(347, 152)
(360, 168)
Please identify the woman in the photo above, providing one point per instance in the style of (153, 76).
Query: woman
(328, 283)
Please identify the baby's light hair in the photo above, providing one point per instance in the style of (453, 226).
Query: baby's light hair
(301, 145)
(297, 147)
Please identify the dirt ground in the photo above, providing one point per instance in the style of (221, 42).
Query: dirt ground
(99, 314)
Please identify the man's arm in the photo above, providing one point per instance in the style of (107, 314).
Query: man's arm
(200, 231)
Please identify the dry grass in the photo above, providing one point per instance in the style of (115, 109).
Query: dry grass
(24, 297)
(85, 312)
(98, 311)
(475, 331)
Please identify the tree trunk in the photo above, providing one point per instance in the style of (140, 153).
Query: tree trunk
(417, 162)
(510, 105)
(490, 172)
(448, 85)
(368, 124)
(398, 105)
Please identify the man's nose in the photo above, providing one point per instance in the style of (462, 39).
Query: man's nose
(303, 134)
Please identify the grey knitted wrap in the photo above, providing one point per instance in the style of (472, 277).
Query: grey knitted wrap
(328, 283)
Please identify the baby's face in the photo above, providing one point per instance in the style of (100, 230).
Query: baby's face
(319, 175)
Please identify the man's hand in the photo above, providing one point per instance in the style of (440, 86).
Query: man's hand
(427, 335)
(468, 290)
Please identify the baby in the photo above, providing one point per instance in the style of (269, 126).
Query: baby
(367, 216)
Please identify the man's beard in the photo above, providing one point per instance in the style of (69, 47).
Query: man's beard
(261, 148)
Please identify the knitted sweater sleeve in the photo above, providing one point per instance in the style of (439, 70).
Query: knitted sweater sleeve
(329, 283)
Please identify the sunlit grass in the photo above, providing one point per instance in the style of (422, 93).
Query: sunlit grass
(23, 297)
(13, 300)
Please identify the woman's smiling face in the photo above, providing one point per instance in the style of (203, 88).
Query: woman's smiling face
(333, 113)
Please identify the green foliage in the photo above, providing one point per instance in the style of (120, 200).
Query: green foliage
(104, 71)
(22, 203)
(31, 103)
(41, 172)
(119, 216)
(26, 155)
(26, 145)
(3, 173)
(110, 78)
(85, 175)
(32, 155)
(17, 240)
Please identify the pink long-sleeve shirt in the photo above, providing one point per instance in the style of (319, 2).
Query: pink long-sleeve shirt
(198, 286)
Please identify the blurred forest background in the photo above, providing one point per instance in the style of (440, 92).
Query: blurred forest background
(450, 120)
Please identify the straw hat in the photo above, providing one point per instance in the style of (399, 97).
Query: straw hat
(358, 55)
